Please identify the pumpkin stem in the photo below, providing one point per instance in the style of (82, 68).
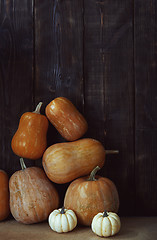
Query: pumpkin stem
(23, 166)
(105, 214)
(92, 175)
(38, 108)
(62, 210)
(111, 151)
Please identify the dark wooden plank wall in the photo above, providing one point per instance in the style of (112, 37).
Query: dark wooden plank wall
(59, 57)
(109, 88)
(145, 35)
(16, 73)
(102, 56)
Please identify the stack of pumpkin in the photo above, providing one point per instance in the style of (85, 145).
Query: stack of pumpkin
(33, 197)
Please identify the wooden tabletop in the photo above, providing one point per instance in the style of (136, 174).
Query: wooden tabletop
(132, 228)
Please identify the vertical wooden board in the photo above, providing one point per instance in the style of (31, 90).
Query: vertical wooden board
(59, 51)
(59, 57)
(109, 89)
(94, 70)
(146, 172)
(145, 111)
(16, 74)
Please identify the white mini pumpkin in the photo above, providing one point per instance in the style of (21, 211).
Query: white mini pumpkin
(106, 224)
(62, 220)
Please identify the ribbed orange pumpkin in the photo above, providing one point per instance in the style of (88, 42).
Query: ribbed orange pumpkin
(4, 195)
(32, 195)
(88, 196)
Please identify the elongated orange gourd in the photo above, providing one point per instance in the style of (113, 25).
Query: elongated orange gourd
(30, 139)
(64, 162)
(66, 118)
(4, 195)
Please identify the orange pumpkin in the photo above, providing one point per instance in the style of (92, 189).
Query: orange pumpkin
(30, 139)
(88, 196)
(64, 162)
(32, 195)
(4, 195)
(66, 118)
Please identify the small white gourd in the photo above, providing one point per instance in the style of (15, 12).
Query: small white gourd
(62, 220)
(106, 224)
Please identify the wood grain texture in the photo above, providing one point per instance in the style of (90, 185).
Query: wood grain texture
(145, 110)
(109, 89)
(16, 75)
(59, 57)
(94, 69)
(59, 53)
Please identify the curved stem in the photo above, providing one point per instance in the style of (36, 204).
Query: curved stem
(23, 166)
(38, 108)
(105, 214)
(62, 210)
(111, 151)
(92, 175)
